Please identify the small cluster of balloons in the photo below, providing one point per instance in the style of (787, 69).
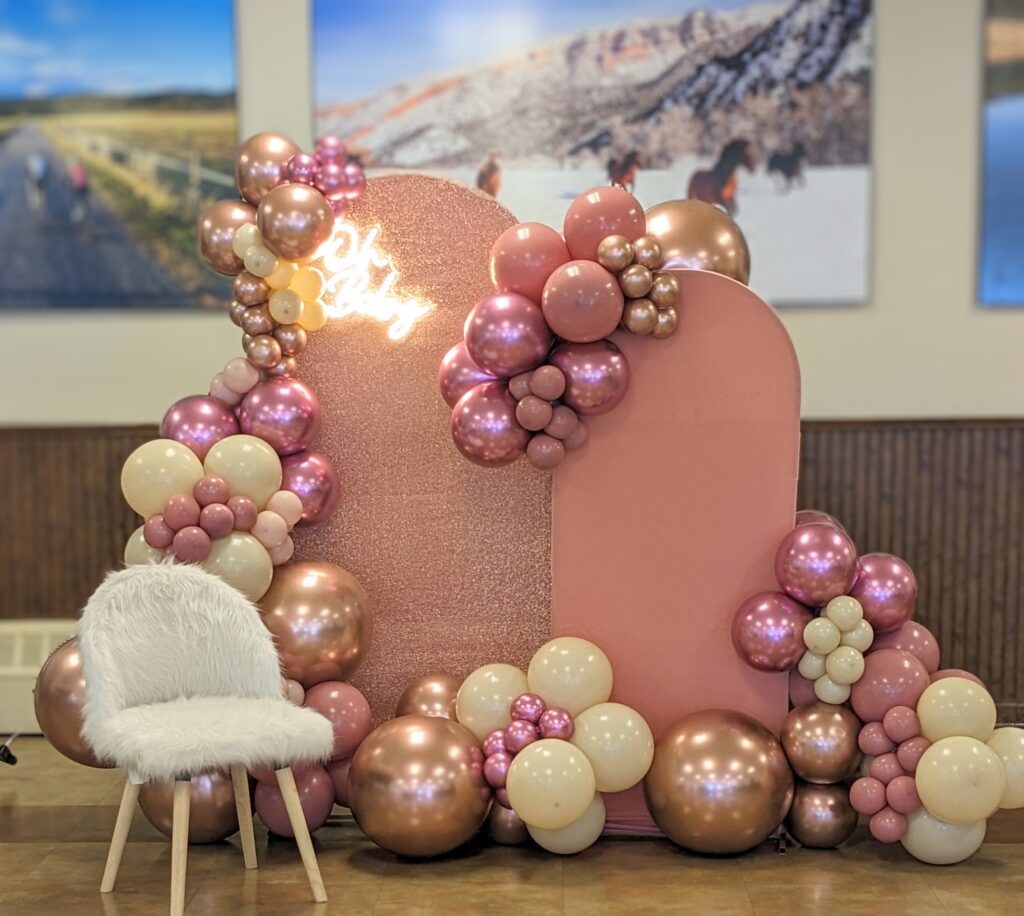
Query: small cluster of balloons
(536, 355)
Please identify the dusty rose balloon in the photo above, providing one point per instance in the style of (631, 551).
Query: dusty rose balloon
(338, 771)
(887, 589)
(885, 768)
(250, 289)
(956, 672)
(311, 477)
(801, 690)
(768, 631)
(217, 228)
(316, 795)
(873, 740)
(891, 678)
(596, 375)
(545, 452)
(598, 213)
(347, 711)
(820, 742)
(211, 811)
(914, 638)
(484, 426)
(519, 385)
(294, 220)
(430, 695)
(867, 795)
(506, 334)
(262, 164)
(505, 827)
(181, 511)
(283, 412)
(533, 413)
(910, 752)
(217, 520)
(887, 826)
(198, 422)
(210, 489)
(244, 511)
(582, 302)
(816, 563)
(814, 517)
(547, 382)
(240, 375)
(556, 723)
(901, 794)
(157, 533)
(577, 438)
(59, 697)
(821, 817)
(523, 257)
(901, 724)
(563, 422)
(458, 373)
(321, 619)
(191, 544)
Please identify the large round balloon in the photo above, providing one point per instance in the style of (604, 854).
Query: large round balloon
(249, 465)
(283, 412)
(294, 220)
(345, 707)
(598, 213)
(719, 783)
(458, 374)
(311, 477)
(577, 836)
(211, 813)
(262, 164)
(217, 228)
(887, 590)
(821, 816)
(322, 621)
(505, 827)
(768, 631)
(914, 638)
(596, 375)
(618, 743)
(696, 235)
(820, 741)
(430, 695)
(891, 678)
(1008, 743)
(550, 784)
(956, 706)
(198, 422)
(243, 562)
(416, 786)
(59, 700)
(316, 796)
(960, 780)
(482, 703)
(155, 472)
(484, 426)
(570, 673)
(938, 843)
(523, 257)
(816, 563)
(506, 334)
(137, 551)
(582, 302)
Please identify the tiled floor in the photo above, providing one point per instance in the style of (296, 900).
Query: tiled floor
(56, 819)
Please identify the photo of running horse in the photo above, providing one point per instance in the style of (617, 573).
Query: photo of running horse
(719, 184)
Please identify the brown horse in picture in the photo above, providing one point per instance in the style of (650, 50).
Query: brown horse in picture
(622, 172)
(718, 184)
(488, 178)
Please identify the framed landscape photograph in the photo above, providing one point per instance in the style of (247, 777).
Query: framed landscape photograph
(762, 108)
(117, 123)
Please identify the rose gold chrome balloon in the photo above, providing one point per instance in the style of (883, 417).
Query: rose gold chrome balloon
(250, 289)
(505, 827)
(416, 786)
(820, 741)
(719, 782)
(211, 815)
(217, 228)
(260, 165)
(294, 220)
(59, 698)
(322, 621)
(430, 695)
(697, 235)
(821, 816)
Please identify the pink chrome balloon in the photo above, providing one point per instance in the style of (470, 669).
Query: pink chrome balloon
(519, 734)
(316, 794)
(283, 412)
(885, 768)
(556, 723)
(302, 167)
(582, 302)
(262, 163)
(523, 257)
(496, 768)
(331, 149)
(814, 517)
(311, 477)
(198, 422)
(598, 213)
(914, 638)
(768, 631)
(217, 228)
(506, 334)
(528, 706)
(891, 678)
(596, 375)
(484, 426)
(294, 220)
(458, 373)
(887, 589)
(347, 711)
(816, 563)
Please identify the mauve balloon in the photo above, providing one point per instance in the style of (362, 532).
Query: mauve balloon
(346, 709)
(484, 426)
(311, 477)
(582, 302)
(887, 589)
(914, 638)
(596, 375)
(816, 563)
(506, 334)
(316, 795)
(198, 422)
(956, 672)
(891, 678)
(458, 373)
(523, 257)
(768, 631)
(284, 412)
(598, 213)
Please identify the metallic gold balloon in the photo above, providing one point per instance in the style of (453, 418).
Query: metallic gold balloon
(292, 338)
(430, 695)
(719, 782)
(665, 289)
(615, 253)
(294, 220)
(636, 281)
(260, 165)
(256, 320)
(250, 289)
(505, 827)
(416, 786)
(59, 698)
(821, 817)
(668, 321)
(640, 316)
(263, 351)
(700, 236)
(217, 227)
(647, 251)
(322, 621)
(211, 815)
(288, 367)
(235, 311)
(820, 741)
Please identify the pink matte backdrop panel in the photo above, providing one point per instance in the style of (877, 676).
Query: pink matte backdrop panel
(669, 517)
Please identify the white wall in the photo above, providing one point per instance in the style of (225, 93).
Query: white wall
(921, 347)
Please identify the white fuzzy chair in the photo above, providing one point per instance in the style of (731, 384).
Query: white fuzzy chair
(182, 677)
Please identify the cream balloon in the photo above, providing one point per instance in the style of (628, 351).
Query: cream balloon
(821, 635)
(550, 784)
(485, 696)
(960, 780)
(860, 637)
(579, 835)
(571, 673)
(829, 691)
(243, 562)
(844, 665)
(845, 612)
(618, 743)
(155, 472)
(250, 467)
(137, 552)
(956, 706)
(1008, 743)
(811, 665)
(938, 843)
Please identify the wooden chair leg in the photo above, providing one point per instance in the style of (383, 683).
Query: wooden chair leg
(179, 845)
(243, 807)
(286, 783)
(129, 799)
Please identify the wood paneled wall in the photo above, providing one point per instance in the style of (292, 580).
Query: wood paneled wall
(946, 495)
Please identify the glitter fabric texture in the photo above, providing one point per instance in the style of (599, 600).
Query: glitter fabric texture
(456, 557)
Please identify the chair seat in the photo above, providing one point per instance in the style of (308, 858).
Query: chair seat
(162, 740)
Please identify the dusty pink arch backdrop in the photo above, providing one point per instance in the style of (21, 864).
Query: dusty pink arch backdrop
(645, 541)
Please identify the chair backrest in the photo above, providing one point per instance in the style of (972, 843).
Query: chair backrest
(152, 633)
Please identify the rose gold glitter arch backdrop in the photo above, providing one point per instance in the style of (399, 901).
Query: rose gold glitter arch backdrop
(456, 557)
